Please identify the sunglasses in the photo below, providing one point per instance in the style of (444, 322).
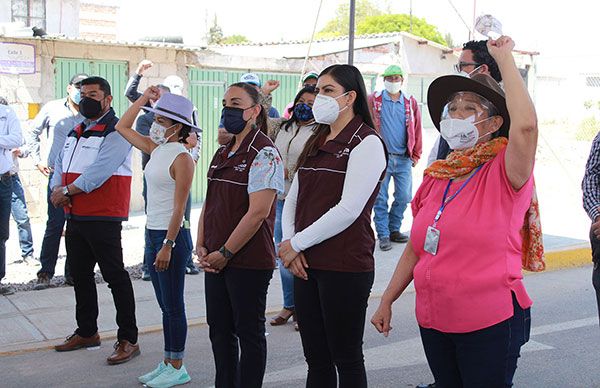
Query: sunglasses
(459, 66)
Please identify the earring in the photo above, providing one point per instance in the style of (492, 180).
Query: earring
(253, 126)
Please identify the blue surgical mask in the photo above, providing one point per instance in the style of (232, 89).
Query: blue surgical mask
(233, 119)
(303, 112)
(75, 96)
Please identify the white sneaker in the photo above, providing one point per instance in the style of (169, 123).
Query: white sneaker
(152, 375)
(170, 377)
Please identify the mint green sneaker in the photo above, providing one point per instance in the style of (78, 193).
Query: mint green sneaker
(152, 375)
(170, 377)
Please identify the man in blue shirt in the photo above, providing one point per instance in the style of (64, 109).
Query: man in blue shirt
(398, 119)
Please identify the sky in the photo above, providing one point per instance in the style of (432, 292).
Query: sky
(559, 33)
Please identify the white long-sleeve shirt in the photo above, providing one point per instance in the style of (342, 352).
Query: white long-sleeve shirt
(365, 164)
(10, 137)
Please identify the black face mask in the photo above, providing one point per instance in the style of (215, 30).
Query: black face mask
(90, 108)
(233, 119)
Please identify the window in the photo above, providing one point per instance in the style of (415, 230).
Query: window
(30, 12)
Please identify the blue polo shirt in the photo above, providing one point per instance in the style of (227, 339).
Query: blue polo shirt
(393, 124)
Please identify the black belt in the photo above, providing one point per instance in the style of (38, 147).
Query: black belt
(393, 154)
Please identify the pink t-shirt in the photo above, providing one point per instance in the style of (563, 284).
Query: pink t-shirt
(467, 285)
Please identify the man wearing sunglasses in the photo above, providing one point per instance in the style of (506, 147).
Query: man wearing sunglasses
(474, 59)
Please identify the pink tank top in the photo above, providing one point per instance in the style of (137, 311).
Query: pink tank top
(467, 285)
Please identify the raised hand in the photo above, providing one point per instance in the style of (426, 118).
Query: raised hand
(144, 65)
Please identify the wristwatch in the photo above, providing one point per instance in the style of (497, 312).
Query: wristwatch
(168, 242)
(65, 191)
(226, 252)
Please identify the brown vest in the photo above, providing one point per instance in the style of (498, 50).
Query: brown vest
(227, 201)
(321, 180)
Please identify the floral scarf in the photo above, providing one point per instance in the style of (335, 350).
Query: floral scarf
(462, 162)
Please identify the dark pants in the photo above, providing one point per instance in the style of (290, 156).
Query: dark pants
(235, 310)
(331, 308)
(21, 217)
(5, 201)
(52, 235)
(596, 272)
(485, 358)
(168, 288)
(88, 243)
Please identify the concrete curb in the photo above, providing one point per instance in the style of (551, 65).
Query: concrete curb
(576, 256)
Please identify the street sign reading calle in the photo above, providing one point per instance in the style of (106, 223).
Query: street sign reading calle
(17, 58)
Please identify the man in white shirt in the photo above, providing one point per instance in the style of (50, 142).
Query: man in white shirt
(10, 137)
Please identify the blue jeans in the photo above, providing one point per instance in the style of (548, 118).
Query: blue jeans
(5, 201)
(287, 278)
(168, 287)
(187, 233)
(52, 235)
(482, 358)
(19, 213)
(388, 220)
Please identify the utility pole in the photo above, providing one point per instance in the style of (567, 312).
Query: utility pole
(411, 16)
(351, 33)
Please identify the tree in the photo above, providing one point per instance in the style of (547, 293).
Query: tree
(399, 22)
(449, 40)
(235, 39)
(215, 33)
(339, 25)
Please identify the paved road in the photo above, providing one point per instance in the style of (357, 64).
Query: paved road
(563, 351)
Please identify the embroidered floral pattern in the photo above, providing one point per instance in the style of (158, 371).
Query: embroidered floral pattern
(266, 171)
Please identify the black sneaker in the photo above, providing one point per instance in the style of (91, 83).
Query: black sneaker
(398, 237)
(146, 276)
(6, 290)
(43, 282)
(191, 270)
(69, 281)
(385, 244)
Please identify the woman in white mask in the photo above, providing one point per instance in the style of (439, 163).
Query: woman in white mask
(169, 175)
(476, 226)
(328, 241)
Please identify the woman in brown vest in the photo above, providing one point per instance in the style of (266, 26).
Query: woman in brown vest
(235, 239)
(328, 241)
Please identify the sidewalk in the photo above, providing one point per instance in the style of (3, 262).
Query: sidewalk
(35, 320)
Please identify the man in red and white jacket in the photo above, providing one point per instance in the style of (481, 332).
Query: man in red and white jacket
(397, 117)
(92, 181)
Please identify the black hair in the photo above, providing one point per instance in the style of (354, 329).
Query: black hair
(101, 82)
(350, 78)
(482, 56)
(293, 119)
(185, 131)
(261, 119)
(3, 101)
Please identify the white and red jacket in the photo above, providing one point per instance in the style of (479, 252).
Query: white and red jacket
(82, 150)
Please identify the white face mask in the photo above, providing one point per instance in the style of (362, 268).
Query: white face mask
(469, 74)
(392, 87)
(461, 133)
(326, 109)
(157, 133)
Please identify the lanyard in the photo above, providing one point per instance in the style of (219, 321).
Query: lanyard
(446, 201)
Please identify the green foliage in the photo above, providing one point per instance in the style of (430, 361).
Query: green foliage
(235, 39)
(400, 22)
(339, 25)
(215, 33)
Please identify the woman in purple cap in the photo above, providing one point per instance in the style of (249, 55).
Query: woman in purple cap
(169, 175)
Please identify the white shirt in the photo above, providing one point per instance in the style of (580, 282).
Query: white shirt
(10, 137)
(365, 165)
(161, 185)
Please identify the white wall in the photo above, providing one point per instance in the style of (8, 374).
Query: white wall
(62, 17)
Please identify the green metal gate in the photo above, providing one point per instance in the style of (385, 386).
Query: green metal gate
(115, 72)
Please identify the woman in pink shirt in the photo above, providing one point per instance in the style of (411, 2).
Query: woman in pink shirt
(474, 228)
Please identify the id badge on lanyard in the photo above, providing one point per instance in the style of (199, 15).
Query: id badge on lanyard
(432, 237)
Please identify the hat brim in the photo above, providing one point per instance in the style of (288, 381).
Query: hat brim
(172, 116)
(442, 88)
